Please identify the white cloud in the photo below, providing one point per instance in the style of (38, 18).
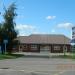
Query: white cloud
(37, 32)
(65, 25)
(25, 29)
(50, 17)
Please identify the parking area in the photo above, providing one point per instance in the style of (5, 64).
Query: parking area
(37, 66)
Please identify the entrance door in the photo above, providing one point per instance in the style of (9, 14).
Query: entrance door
(45, 48)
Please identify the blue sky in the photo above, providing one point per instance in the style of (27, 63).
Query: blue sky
(43, 16)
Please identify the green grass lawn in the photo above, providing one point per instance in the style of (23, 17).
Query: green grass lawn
(12, 56)
(67, 56)
(62, 56)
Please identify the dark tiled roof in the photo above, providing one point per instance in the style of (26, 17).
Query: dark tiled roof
(44, 39)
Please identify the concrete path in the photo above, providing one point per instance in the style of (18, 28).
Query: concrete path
(41, 54)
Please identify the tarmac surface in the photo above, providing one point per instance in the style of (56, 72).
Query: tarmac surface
(37, 66)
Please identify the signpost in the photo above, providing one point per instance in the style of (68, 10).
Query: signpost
(5, 42)
(73, 32)
(73, 40)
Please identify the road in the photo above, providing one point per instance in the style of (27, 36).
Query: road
(37, 66)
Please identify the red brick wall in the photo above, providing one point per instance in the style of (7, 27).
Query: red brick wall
(27, 48)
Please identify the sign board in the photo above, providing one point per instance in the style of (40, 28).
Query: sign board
(5, 41)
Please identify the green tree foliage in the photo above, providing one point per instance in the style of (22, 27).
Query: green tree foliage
(1, 37)
(9, 24)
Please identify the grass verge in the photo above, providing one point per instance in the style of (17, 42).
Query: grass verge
(12, 56)
(62, 56)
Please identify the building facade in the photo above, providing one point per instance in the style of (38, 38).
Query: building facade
(44, 43)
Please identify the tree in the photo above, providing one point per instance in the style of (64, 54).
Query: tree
(1, 39)
(9, 26)
(2, 33)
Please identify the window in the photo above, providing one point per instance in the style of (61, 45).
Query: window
(56, 47)
(33, 47)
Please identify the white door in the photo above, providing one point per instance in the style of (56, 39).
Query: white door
(45, 48)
